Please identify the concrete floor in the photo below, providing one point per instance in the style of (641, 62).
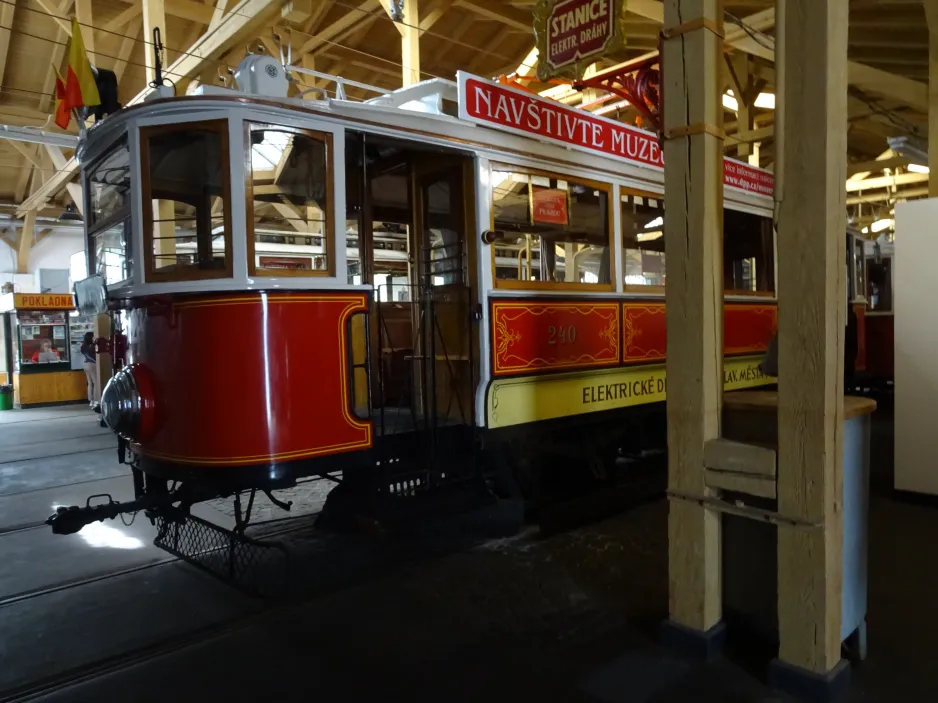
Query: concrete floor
(463, 610)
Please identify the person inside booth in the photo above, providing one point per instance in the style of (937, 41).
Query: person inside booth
(45, 353)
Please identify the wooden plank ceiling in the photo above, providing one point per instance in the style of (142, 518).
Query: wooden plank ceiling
(357, 39)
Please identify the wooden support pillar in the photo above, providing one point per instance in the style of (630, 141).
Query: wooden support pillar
(153, 16)
(26, 242)
(755, 154)
(410, 43)
(693, 150)
(811, 317)
(409, 28)
(931, 11)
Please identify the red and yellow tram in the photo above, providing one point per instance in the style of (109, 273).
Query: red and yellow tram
(388, 288)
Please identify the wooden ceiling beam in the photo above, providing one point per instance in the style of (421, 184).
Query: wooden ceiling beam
(218, 12)
(57, 52)
(22, 183)
(858, 171)
(184, 9)
(503, 12)
(58, 16)
(435, 12)
(348, 21)
(6, 20)
(873, 80)
(28, 151)
(120, 21)
(243, 19)
(903, 194)
(899, 179)
(486, 56)
(409, 29)
(154, 16)
(131, 34)
(27, 235)
(86, 21)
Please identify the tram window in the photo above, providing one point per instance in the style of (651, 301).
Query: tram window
(108, 185)
(879, 284)
(748, 253)
(108, 212)
(289, 208)
(643, 240)
(187, 222)
(859, 265)
(112, 252)
(556, 231)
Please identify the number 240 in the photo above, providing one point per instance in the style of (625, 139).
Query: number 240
(561, 335)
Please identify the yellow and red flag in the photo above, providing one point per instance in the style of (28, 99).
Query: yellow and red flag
(62, 113)
(80, 87)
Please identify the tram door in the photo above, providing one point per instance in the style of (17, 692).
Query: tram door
(443, 212)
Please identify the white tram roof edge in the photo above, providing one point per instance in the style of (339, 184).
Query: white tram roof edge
(415, 112)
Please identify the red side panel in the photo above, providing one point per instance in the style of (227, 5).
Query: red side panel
(860, 310)
(880, 343)
(249, 378)
(530, 337)
(747, 329)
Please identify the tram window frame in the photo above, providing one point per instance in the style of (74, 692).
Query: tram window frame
(765, 269)
(624, 194)
(512, 284)
(329, 230)
(191, 272)
(118, 217)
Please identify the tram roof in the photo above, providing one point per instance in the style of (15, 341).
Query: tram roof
(428, 112)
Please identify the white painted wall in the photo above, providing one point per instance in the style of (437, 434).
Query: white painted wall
(915, 289)
(53, 252)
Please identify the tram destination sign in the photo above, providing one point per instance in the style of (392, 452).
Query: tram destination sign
(572, 34)
(511, 110)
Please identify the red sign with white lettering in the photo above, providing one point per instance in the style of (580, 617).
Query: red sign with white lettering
(550, 206)
(495, 105)
(578, 28)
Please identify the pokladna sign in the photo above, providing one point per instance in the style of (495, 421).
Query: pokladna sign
(501, 107)
(572, 34)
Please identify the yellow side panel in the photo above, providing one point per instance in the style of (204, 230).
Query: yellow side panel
(516, 401)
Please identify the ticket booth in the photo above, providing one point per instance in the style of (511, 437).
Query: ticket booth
(36, 350)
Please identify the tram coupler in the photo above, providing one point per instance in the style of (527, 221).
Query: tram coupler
(69, 520)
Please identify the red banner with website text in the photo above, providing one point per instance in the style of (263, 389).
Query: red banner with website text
(512, 110)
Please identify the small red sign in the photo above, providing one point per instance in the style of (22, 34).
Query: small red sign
(500, 107)
(578, 28)
(550, 206)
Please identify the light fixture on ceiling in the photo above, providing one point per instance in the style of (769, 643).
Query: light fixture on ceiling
(657, 222)
(917, 168)
(765, 101)
(649, 236)
(880, 225)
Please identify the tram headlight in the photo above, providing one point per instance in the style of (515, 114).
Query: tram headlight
(127, 403)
